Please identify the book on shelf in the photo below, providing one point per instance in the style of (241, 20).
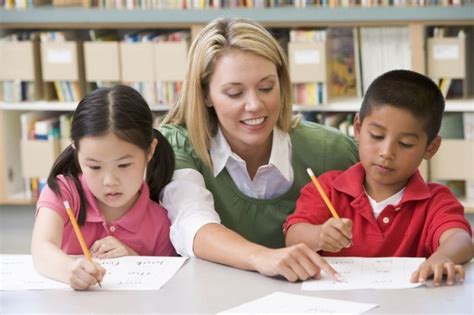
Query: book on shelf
(307, 52)
(383, 49)
(344, 70)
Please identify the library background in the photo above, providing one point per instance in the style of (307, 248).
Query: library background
(52, 53)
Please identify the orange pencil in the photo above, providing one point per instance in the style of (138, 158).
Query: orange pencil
(322, 193)
(77, 230)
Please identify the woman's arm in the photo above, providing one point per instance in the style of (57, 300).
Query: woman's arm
(216, 243)
(190, 206)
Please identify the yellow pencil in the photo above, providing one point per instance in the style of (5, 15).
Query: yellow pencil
(77, 230)
(322, 193)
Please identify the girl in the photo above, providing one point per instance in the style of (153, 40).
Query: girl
(101, 176)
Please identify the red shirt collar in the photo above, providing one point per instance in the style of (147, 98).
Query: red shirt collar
(351, 182)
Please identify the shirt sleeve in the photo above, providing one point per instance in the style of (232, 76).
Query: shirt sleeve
(190, 206)
(310, 207)
(49, 199)
(446, 213)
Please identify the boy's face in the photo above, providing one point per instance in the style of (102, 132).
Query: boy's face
(392, 144)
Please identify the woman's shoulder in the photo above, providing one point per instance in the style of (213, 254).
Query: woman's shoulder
(177, 135)
(312, 131)
(173, 130)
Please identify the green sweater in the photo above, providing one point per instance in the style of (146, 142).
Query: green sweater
(261, 220)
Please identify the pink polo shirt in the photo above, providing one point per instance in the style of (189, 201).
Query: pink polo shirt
(411, 229)
(144, 228)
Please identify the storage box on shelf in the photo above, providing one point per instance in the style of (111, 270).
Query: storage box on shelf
(102, 61)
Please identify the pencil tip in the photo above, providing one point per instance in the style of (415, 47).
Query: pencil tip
(310, 172)
(66, 204)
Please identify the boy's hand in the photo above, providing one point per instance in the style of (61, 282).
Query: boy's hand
(437, 266)
(336, 234)
(110, 247)
(85, 274)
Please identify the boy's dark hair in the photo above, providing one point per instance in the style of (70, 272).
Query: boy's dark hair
(407, 90)
(123, 111)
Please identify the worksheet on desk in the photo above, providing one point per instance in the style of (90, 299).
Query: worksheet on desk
(285, 303)
(367, 273)
(124, 273)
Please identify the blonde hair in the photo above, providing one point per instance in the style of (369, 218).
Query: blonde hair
(216, 39)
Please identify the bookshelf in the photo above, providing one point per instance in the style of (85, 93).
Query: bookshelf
(418, 20)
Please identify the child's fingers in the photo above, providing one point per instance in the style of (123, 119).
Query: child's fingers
(438, 271)
(83, 275)
(425, 271)
(95, 247)
(112, 253)
(100, 272)
(78, 284)
(336, 238)
(460, 272)
(415, 276)
(450, 273)
(346, 228)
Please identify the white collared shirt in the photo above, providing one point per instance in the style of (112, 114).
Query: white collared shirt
(190, 205)
(271, 180)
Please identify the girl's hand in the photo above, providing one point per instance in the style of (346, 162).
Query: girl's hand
(85, 274)
(437, 266)
(110, 247)
(297, 262)
(336, 234)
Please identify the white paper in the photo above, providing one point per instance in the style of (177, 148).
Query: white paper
(307, 57)
(125, 273)
(367, 273)
(280, 302)
(445, 52)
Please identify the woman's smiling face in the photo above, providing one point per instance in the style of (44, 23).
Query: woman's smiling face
(245, 92)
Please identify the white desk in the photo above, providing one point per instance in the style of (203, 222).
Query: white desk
(204, 287)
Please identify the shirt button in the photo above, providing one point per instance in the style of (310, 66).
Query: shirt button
(385, 220)
(112, 229)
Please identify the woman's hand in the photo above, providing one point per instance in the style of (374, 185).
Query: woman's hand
(437, 266)
(110, 247)
(297, 262)
(85, 273)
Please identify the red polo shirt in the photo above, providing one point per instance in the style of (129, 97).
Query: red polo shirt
(410, 229)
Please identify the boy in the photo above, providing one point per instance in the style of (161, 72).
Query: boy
(387, 209)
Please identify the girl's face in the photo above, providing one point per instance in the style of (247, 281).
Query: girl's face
(245, 93)
(392, 144)
(114, 170)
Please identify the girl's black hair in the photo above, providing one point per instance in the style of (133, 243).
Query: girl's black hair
(123, 111)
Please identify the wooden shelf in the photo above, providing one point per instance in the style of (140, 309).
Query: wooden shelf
(56, 106)
(84, 18)
(342, 105)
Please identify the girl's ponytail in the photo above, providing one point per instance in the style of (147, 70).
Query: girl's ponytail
(66, 164)
(161, 166)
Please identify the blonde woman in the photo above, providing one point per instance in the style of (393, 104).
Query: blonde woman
(241, 157)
